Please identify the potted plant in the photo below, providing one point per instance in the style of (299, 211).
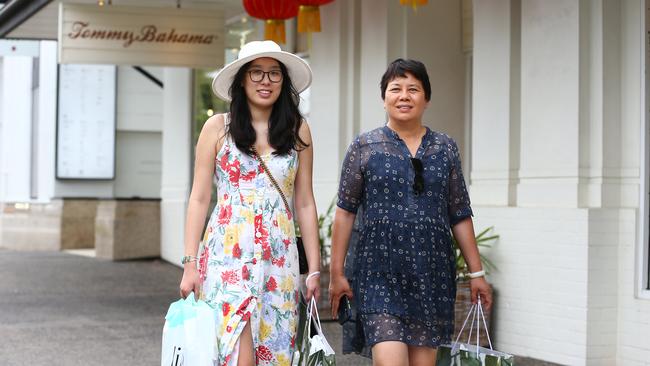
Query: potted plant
(484, 239)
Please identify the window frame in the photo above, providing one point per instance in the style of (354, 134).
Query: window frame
(643, 236)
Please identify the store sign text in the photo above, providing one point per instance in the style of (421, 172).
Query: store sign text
(148, 33)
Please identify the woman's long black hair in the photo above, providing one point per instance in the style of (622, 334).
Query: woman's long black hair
(284, 123)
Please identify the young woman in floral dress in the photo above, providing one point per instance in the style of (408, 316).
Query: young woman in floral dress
(248, 264)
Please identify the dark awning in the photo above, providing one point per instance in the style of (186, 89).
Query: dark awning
(15, 12)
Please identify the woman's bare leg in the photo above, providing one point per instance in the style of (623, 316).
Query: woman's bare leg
(246, 352)
(422, 356)
(390, 353)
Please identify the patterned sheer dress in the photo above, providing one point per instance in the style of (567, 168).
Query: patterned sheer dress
(400, 262)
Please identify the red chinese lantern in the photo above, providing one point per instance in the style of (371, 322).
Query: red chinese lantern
(274, 12)
(413, 3)
(309, 15)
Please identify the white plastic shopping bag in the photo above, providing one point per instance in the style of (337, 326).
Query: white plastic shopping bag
(189, 335)
(314, 350)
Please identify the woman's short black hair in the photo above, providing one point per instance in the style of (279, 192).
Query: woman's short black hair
(399, 68)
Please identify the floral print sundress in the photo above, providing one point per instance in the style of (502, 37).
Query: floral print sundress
(249, 261)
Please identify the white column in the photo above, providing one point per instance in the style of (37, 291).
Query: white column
(432, 35)
(16, 120)
(495, 97)
(373, 58)
(550, 100)
(176, 160)
(331, 97)
(47, 120)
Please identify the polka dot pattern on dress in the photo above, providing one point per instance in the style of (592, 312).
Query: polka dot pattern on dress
(403, 274)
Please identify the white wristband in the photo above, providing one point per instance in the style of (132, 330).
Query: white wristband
(478, 274)
(317, 273)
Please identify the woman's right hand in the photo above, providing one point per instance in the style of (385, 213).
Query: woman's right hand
(190, 281)
(339, 286)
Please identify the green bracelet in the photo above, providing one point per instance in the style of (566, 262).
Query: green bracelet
(187, 259)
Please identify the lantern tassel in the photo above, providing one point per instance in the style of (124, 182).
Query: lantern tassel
(274, 31)
(308, 19)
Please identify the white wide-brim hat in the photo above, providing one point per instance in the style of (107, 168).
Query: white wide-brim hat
(299, 70)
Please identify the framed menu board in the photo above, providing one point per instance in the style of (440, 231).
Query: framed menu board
(85, 134)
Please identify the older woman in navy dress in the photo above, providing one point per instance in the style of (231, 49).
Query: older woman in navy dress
(408, 182)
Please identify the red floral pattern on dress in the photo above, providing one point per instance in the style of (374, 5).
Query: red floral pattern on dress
(271, 284)
(234, 172)
(278, 261)
(236, 251)
(245, 275)
(266, 252)
(230, 277)
(203, 262)
(249, 176)
(225, 308)
(225, 213)
(242, 278)
(264, 354)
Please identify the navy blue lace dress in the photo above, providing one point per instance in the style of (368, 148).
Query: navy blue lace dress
(400, 262)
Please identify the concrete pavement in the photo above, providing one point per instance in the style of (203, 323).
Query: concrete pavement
(69, 310)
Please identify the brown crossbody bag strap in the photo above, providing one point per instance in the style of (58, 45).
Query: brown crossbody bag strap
(302, 256)
(275, 183)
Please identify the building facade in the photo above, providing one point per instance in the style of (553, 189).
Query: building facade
(548, 101)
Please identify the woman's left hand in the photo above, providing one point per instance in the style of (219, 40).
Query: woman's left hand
(313, 287)
(480, 286)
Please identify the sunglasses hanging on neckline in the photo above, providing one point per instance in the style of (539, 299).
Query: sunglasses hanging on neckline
(418, 180)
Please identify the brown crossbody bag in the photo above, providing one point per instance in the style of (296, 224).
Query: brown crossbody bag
(302, 256)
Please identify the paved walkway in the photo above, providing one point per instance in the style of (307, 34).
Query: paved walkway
(63, 309)
(69, 310)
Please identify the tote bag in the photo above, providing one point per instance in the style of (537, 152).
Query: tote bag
(471, 354)
(189, 334)
(313, 350)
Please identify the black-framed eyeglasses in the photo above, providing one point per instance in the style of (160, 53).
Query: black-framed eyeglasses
(257, 75)
(418, 181)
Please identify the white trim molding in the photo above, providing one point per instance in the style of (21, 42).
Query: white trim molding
(643, 232)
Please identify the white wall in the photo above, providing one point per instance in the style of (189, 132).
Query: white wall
(332, 117)
(540, 285)
(567, 280)
(431, 35)
(633, 303)
(16, 120)
(351, 54)
(139, 134)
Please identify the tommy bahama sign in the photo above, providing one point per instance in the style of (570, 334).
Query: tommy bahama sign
(125, 35)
